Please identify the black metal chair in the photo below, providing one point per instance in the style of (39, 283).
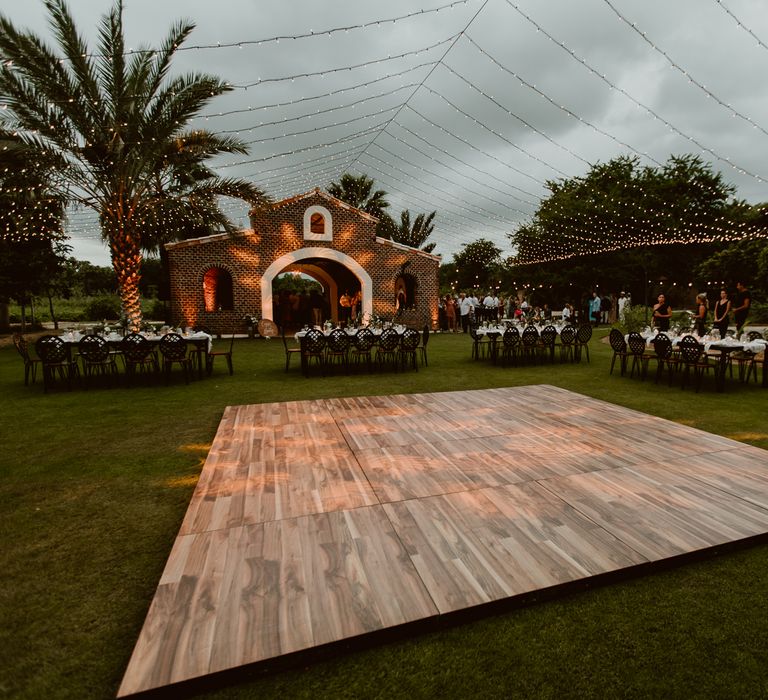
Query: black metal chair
(226, 354)
(547, 339)
(409, 344)
(56, 359)
(639, 354)
(423, 346)
(387, 348)
(337, 349)
(138, 355)
(583, 336)
(567, 343)
(313, 348)
(173, 350)
(619, 347)
(480, 343)
(97, 358)
(510, 345)
(362, 347)
(692, 359)
(665, 356)
(30, 363)
(530, 343)
(290, 350)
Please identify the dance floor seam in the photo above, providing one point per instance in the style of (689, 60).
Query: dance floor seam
(319, 521)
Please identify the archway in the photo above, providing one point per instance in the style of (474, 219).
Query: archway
(279, 265)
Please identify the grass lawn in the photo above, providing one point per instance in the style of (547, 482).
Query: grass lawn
(94, 485)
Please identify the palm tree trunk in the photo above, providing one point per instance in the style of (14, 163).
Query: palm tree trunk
(126, 262)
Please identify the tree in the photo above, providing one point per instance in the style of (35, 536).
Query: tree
(411, 234)
(117, 122)
(31, 215)
(359, 193)
(618, 206)
(476, 264)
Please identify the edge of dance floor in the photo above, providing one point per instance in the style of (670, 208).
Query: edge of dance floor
(324, 526)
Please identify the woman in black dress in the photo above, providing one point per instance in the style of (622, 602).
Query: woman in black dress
(722, 309)
(662, 312)
(700, 319)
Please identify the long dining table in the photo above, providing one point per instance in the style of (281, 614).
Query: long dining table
(724, 347)
(198, 341)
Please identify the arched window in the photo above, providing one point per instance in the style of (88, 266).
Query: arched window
(318, 224)
(405, 292)
(217, 290)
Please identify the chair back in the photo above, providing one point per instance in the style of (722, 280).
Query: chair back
(338, 340)
(530, 336)
(584, 334)
(51, 349)
(548, 335)
(425, 335)
(364, 340)
(636, 343)
(754, 335)
(690, 349)
(135, 347)
(473, 333)
(173, 347)
(389, 340)
(93, 348)
(568, 335)
(313, 343)
(409, 341)
(663, 346)
(616, 339)
(511, 337)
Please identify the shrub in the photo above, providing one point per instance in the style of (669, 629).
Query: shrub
(635, 319)
(156, 310)
(758, 313)
(107, 307)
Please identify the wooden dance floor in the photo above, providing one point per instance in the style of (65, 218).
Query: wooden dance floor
(319, 521)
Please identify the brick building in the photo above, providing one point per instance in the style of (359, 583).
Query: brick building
(216, 280)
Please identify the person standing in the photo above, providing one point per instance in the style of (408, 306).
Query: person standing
(450, 312)
(741, 306)
(465, 309)
(700, 318)
(345, 305)
(623, 301)
(721, 311)
(594, 309)
(662, 313)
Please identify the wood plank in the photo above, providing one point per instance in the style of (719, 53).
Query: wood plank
(317, 521)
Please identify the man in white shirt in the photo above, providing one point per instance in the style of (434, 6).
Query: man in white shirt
(465, 309)
(623, 301)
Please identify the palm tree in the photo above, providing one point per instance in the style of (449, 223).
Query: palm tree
(117, 121)
(358, 192)
(412, 234)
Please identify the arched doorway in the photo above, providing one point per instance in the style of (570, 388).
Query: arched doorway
(326, 260)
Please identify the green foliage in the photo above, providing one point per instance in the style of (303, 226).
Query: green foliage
(413, 234)
(359, 193)
(295, 283)
(107, 307)
(157, 310)
(617, 206)
(476, 264)
(741, 261)
(636, 317)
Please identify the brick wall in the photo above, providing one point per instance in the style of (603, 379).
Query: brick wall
(280, 230)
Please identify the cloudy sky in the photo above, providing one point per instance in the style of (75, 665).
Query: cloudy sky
(466, 108)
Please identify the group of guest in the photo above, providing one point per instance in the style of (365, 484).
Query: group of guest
(458, 313)
(724, 306)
